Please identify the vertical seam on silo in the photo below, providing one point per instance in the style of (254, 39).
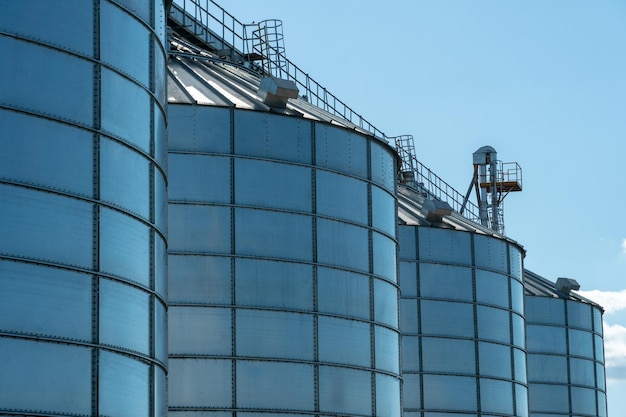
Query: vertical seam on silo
(511, 333)
(194, 109)
(268, 145)
(418, 308)
(370, 236)
(152, 199)
(477, 378)
(316, 396)
(595, 360)
(153, 327)
(96, 212)
(370, 253)
(233, 274)
(373, 382)
(350, 143)
(151, 256)
(568, 358)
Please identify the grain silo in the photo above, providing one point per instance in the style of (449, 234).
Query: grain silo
(282, 255)
(462, 313)
(565, 350)
(82, 213)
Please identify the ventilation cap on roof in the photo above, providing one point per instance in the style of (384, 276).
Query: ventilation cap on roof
(565, 285)
(434, 210)
(275, 92)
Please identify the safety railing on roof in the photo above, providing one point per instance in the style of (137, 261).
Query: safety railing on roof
(207, 20)
(438, 188)
(319, 96)
(211, 23)
(420, 177)
(226, 35)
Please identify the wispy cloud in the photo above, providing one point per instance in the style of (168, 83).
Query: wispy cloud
(612, 301)
(615, 351)
(624, 246)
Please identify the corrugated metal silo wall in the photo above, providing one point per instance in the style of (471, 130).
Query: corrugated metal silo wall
(565, 358)
(462, 323)
(82, 208)
(282, 267)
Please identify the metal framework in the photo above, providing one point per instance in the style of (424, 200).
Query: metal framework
(492, 180)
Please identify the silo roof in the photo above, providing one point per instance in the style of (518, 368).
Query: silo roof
(198, 77)
(536, 285)
(411, 202)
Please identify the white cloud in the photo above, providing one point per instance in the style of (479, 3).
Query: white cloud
(615, 351)
(612, 301)
(624, 246)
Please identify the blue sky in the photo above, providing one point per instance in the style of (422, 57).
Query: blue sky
(543, 82)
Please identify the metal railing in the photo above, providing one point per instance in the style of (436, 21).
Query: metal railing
(222, 31)
(209, 21)
(438, 188)
(212, 24)
(417, 175)
(510, 172)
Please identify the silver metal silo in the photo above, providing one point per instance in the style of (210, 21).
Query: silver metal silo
(462, 315)
(82, 208)
(565, 350)
(282, 271)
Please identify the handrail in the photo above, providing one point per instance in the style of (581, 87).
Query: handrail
(233, 33)
(436, 187)
(510, 172)
(214, 17)
(319, 96)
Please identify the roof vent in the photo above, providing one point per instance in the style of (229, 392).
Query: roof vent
(565, 285)
(407, 177)
(434, 210)
(275, 92)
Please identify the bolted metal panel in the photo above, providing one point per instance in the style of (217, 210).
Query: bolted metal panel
(460, 327)
(300, 254)
(80, 225)
(566, 364)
